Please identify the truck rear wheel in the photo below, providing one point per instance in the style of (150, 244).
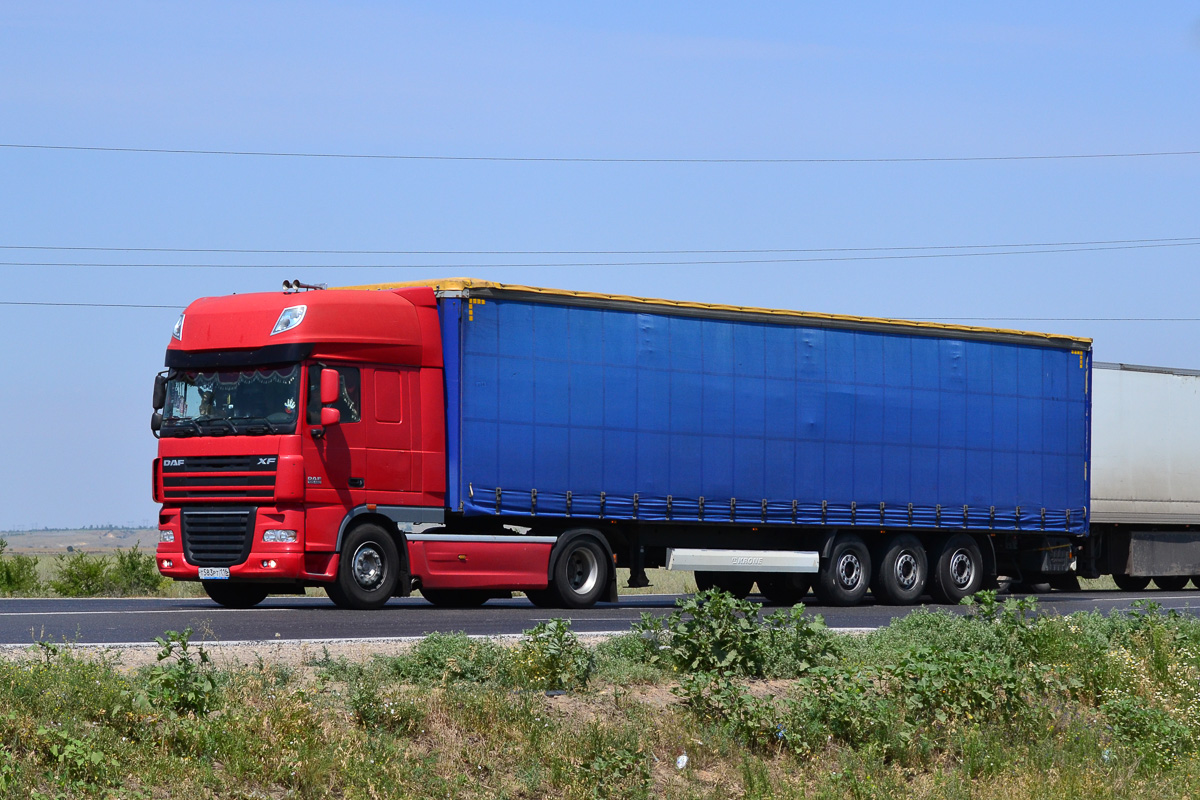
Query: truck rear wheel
(581, 573)
(846, 575)
(1131, 583)
(958, 571)
(902, 572)
(367, 570)
(235, 595)
(784, 588)
(737, 584)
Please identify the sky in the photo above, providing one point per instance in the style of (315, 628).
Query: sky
(829, 88)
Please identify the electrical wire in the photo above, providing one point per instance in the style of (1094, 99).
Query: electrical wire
(264, 251)
(931, 319)
(600, 160)
(567, 264)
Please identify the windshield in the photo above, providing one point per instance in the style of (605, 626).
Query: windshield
(223, 402)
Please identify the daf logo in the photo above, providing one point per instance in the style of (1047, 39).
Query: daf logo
(172, 462)
(266, 462)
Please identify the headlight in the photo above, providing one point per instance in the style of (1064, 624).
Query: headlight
(279, 536)
(178, 333)
(166, 536)
(289, 318)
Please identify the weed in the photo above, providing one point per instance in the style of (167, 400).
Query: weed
(81, 575)
(442, 658)
(182, 682)
(551, 657)
(18, 573)
(134, 573)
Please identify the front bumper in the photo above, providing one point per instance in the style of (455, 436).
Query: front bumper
(275, 562)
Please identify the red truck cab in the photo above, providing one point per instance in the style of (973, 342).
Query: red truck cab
(285, 417)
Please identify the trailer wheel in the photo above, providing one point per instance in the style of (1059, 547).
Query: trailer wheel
(902, 572)
(784, 588)
(737, 584)
(235, 595)
(845, 575)
(1131, 583)
(959, 570)
(367, 570)
(581, 573)
(456, 598)
(1170, 583)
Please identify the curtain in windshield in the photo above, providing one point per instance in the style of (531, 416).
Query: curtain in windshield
(270, 394)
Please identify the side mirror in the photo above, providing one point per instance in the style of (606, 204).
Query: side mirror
(160, 391)
(156, 422)
(330, 386)
(330, 416)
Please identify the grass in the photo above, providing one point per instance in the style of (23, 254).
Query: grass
(1002, 703)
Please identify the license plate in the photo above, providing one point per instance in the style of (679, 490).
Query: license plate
(214, 573)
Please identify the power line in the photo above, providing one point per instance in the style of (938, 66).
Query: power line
(918, 317)
(264, 251)
(599, 160)
(566, 264)
(84, 305)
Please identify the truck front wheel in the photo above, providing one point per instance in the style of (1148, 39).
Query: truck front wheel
(845, 575)
(367, 570)
(581, 573)
(235, 595)
(958, 571)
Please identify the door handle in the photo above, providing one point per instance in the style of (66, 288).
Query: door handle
(356, 483)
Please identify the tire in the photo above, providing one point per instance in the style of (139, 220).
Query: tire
(846, 575)
(1131, 583)
(368, 569)
(784, 588)
(456, 598)
(1037, 587)
(236, 595)
(737, 584)
(902, 572)
(581, 573)
(958, 571)
(1170, 583)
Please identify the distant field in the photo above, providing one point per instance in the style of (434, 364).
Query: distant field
(51, 542)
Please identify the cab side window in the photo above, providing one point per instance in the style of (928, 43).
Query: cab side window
(349, 400)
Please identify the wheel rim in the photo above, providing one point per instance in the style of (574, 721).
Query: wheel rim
(582, 570)
(962, 568)
(367, 567)
(908, 570)
(849, 571)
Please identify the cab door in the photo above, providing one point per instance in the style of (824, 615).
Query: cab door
(335, 456)
(390, 434)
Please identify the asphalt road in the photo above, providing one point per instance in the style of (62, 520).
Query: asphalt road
(124, 621)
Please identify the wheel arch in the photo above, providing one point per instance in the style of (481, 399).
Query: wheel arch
(362, 515)
(568, 536)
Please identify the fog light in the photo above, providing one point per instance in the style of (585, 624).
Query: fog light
(167, 563)
(268, 563)
(279, 536)
(166, 536)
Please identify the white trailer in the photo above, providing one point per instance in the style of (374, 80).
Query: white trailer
(1145, 482)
